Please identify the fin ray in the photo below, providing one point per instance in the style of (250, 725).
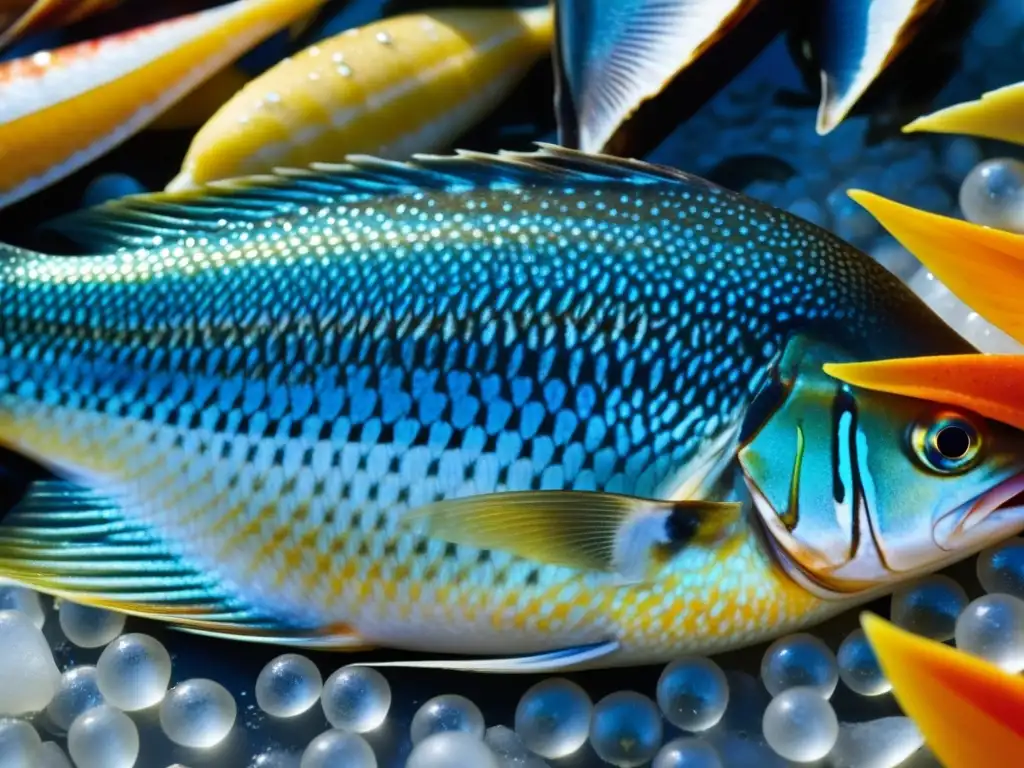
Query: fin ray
(608, 64)
(77, 545)
(135, 221)
(594, 531)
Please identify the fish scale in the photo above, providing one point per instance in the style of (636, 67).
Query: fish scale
(268, 396)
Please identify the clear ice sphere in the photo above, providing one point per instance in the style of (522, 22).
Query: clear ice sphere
(452, 749)
(693, 693)
(356, 699)
(449, 712)
(553, 718)
(800, 725)
(79, 691)
(198, 713)
(334, 749)
(288, 685)
(28, 675)
(103, 737)
(89, 627)
(626, 729)
(800, 660)
(133, 672)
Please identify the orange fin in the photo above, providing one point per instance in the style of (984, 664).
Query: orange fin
(78, 545)
(969, 711)
(981, 265)
(998, 114)
(987, 384)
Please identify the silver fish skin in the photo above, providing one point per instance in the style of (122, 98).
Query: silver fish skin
(246, 392)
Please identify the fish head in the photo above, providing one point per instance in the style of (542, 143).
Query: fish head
(859, 489)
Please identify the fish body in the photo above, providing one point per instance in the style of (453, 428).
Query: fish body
(111, 88)
(262, 392)
(405, 84)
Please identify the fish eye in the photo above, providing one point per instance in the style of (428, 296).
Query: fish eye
(947, 443)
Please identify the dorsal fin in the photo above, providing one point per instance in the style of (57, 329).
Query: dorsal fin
(165, 218)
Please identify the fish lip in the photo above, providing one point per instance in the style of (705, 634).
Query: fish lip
(1004, 497)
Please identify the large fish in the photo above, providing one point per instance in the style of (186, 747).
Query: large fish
(478, 405)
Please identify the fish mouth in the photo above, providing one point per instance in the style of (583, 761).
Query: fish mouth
(1004, 500)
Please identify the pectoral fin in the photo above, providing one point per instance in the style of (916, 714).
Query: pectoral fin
(595, 531)
(73, 543)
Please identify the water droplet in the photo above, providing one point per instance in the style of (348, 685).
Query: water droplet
(19, 744)
(336, 748)
(993, 194)
(313, 50)
(198, 713)
(288, 685)
(449, 712)
(929, 607)
(626, 729)
(383, 38)
(800, 725)
(992, 627)
(345, 70)
(687, 753)
(133, 672)
(356, 699)
(42, 58)
(79, 691)
(28, 676)
(858, 666)
(553, 718)
(89, 627)
(1001, 568)
(103, 737)
(799, 660)
(693, 693)
(15, 598)
(452, 749)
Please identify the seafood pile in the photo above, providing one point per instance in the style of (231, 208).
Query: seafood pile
(370, 416)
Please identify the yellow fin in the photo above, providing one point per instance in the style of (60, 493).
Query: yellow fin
(981, 265)
(998, 114)
(595, 531)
